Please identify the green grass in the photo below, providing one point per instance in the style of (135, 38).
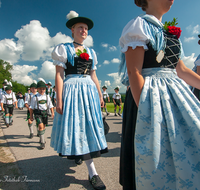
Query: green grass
(110, 107)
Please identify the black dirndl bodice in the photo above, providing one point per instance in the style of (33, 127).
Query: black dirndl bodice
(81, 66)
(171, 57)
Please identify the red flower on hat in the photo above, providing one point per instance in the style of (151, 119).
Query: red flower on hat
(84, 56)
(174, 30)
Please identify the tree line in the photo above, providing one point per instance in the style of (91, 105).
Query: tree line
(5, 73)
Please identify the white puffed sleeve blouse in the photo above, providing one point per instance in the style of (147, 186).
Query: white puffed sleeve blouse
(133, 35)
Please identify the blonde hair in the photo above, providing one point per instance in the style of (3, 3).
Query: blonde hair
(142, 3)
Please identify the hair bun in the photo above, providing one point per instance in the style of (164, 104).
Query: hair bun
(141, 3)
(138, 3)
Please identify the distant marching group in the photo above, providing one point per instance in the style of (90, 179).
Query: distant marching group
(40, 101)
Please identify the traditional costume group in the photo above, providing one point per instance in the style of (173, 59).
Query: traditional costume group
(160, 137)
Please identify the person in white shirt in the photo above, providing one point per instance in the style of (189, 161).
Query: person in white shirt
(105, 97)
(33, 89)
(49, 89)
(40, 103)
(117, 101)
(7, 103)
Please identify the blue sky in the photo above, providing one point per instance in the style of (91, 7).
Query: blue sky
(31, 28)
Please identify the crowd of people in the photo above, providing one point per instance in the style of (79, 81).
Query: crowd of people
(160, 145)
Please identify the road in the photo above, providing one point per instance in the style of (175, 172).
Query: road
(44, 169)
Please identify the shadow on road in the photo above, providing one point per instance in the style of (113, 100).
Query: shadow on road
(50, 173)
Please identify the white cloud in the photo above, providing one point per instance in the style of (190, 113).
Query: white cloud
(117, 79)
(106, 62)
(189, 39)
(35, 40)
(115, 60)
(189, 27)
(88, 41)
(112, 48)
(10, 51)
(189, 61)
(47, 71)
(22, 74)
(104, 45)
(60, 38)
(196, 29)
(107, 83)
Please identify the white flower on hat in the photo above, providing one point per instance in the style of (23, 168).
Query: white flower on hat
(71, 15)
(34, 81)
(9, 83)
(41, 79)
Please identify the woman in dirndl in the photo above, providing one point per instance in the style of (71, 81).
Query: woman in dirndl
(78, 130)
(160, 146)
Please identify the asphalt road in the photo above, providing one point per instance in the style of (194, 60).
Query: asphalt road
(44, 169)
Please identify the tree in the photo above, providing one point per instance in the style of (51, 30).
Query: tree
(5, 71)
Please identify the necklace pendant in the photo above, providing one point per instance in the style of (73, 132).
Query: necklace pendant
(160, 56)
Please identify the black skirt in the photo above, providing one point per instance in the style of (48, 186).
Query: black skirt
(197, 93)
(127, 154)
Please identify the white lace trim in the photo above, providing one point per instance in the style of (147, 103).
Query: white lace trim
(134, 45)
(60, 64)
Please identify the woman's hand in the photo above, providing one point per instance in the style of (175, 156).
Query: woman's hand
(102, 102)
(59, 107)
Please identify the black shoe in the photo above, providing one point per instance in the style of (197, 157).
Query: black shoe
(115, 114)
(31, 135)
(7, 125)
(42, 145)
(108, 114)
(78, 161)
(97, 183)
(119, 114)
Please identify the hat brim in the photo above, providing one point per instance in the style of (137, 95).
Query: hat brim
(76, 20)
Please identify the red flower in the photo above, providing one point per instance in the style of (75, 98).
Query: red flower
(174, 30)
(84, 56)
